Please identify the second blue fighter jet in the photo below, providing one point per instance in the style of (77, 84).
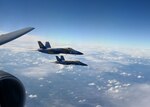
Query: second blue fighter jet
(62, 61)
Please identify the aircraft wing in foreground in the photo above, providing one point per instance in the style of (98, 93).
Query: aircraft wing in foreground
(4, 38)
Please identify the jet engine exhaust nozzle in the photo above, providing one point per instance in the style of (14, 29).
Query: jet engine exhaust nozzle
(12, 92)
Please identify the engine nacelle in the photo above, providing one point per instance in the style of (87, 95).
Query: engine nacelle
(12, 91)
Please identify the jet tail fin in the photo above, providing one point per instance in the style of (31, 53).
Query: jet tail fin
(58, 59)
(41, 45)
(47, 45)
(62, 58)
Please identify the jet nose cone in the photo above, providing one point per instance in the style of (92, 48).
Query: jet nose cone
(79, 53)
(85, 65)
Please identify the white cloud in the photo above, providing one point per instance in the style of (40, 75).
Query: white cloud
(134, 96)
(43, 70)
(60, 103)
(82, 101)
(91, 84)
(40, 71)
(98, 106)
(139, 76)
(32, 96)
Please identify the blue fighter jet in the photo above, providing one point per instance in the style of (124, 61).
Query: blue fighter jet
(49, 50)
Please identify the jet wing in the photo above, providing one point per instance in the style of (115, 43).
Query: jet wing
(13, 35)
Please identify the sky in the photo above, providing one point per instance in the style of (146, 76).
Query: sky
(123, 23)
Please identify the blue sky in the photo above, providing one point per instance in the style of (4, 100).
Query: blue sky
(123, 23)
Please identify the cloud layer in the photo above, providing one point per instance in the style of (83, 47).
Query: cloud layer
(114, 77)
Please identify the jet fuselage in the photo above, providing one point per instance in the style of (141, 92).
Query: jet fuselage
(60, 51)
(71, 63)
